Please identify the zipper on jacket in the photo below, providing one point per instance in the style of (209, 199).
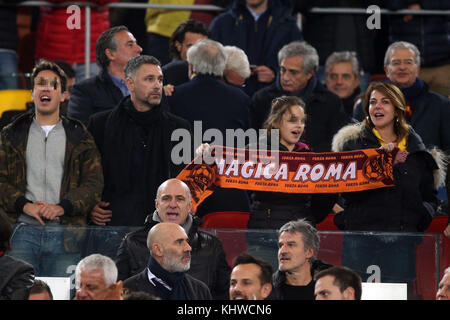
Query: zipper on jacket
(45, 170)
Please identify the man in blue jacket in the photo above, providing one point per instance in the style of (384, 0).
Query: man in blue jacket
(260, 28)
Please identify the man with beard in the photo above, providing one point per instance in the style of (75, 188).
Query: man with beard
(251, 278)
(208, 260)
(170, 259)
(134, 140)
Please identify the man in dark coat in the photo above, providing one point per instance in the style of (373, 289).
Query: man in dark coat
(260, 28)
(114, 48)
(325, 114)
(298, 244)
(208, 260)
(218, 106)
(16, 276)
(185, 35)
(170, 258)
(135, 142)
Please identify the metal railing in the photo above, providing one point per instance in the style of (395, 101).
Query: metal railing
(132, 5)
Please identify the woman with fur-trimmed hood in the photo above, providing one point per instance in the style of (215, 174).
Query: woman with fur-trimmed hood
(411, 204)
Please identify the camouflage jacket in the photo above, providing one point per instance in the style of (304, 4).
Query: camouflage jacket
(82, 181)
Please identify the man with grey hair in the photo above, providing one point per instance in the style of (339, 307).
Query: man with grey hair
(173, 204)
(218, 106)
(342, 77)
(134, 140)
(96, 279)
(114, 48)
(443, 292)
(170, 259)
(298, 245)
(237, 68)
(325, 113)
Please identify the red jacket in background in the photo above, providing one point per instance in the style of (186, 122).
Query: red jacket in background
(55, 41)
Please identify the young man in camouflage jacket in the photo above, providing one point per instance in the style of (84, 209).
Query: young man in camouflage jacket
(50, 172)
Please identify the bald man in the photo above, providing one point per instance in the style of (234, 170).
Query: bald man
(208, 259)
(170, 259)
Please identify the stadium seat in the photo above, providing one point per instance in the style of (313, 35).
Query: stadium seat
(14, 100)
(226, 219)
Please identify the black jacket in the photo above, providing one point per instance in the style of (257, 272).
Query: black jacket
(134, 168)
(408, 206)
(279, 277)
(324, 110)
(285, 207)
(197, 290)
(208, 261)
(176, 72)
(16, 278)
(9, 38)
(93, 95)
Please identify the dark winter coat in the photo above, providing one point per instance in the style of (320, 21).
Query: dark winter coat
(82, 181)
(271, 210)
(136, 151)
(408, 206)
(93, 95)
(208, 261)
(430, 118)
(16, 278)
(196, 290)
(279, 278)
(218, 105)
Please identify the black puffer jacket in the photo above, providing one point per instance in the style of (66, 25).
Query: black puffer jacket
(16, 278)
(409, 205)
(208, 259)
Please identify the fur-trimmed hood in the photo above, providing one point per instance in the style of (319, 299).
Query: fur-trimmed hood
(353, 131)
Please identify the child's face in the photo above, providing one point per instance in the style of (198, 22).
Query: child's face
(291, 126)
